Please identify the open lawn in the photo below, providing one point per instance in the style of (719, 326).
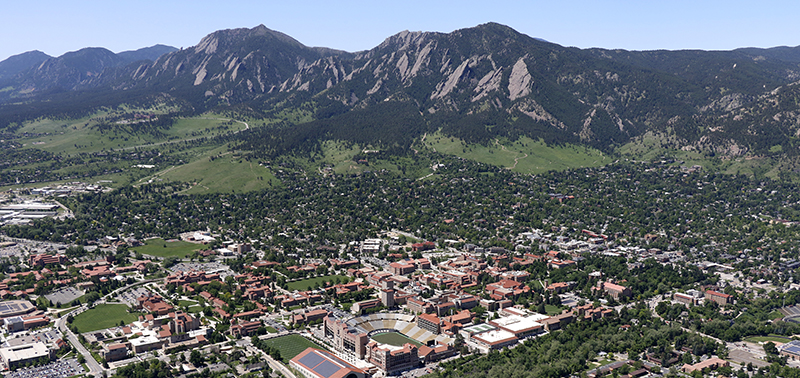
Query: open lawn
(305, 284)
(395, 338)
(291, 345)
(81, 135)
(552, 310)
(219, 171)
(103, 316)
(524, 155)
(764, 339)
(160, 248)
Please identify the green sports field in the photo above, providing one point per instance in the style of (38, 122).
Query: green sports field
(395, 338)
(291, 345)
(103, 316)
(305, 284)
(160, 248)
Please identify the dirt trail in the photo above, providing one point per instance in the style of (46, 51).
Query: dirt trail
(516, 159)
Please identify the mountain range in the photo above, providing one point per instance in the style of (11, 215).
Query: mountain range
(476, 84)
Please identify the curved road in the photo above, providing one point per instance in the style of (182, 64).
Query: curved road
(61, 324)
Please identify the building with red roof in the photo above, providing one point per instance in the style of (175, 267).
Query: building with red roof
(721, 298)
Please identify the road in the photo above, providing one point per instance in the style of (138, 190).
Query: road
(61, 324)
(94, 366)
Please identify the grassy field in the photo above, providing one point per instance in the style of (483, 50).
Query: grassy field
(304, 284)
(552, 310)
(524, 155)
(764, 339)
(395, 338)
(219, 171)
(161, 248)
(103, 316)
(291, 345)
(79, 135)
(192, 164)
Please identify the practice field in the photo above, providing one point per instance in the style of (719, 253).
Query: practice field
(765, 339)
(103, 316)
(161, 248)
(305, 284)
(291, 345)
(394, 338)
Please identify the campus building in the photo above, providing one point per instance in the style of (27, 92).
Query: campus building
(721, 298)
(346, 338)
(19, 355)
(393, 359)
(316, 363)
(429, 322)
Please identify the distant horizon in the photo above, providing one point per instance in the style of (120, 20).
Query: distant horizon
(55, 27)
(353, 51)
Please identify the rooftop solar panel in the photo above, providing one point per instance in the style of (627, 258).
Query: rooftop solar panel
(311, 359)
(327, 369)
(792, 349)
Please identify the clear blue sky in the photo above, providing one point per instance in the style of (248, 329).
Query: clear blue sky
(58, 26)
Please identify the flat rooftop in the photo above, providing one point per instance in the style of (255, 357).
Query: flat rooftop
(479, 328)
(516, 323)
(494, 337)
(24, 352)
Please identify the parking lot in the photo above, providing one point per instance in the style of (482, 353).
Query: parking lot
(59, 369)
(131, 295)
(64, 295)
(216, 267)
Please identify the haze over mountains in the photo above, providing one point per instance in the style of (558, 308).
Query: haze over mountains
(477, 84)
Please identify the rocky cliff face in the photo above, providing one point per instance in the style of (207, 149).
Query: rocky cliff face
(485, 77)
(229, 65)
